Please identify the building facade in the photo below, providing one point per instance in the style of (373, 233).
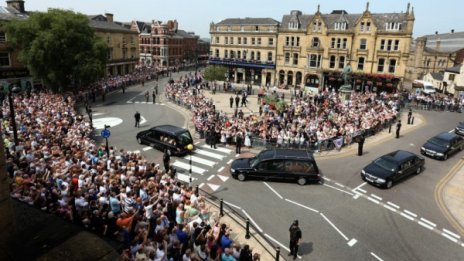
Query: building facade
(164, 45)
(454, 80)
(247, 46)
(314, 49)
(123, 44)
(12, 71)
(435, 53)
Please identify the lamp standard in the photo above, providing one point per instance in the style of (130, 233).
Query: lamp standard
(190, 148)
(13, 89)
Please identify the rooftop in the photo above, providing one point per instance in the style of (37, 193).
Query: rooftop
(248, 21)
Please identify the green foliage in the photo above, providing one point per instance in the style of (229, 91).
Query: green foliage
(60, 48)
(215, 73)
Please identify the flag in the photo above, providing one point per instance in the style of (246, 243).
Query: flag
(338, 142)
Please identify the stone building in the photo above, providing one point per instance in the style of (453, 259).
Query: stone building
(164, 45)
(123, 44)
(313, 49)
(247, 46)
(435, 53)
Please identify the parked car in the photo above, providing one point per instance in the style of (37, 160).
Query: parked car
(459, 129)
(172, 138)
(392, 167)
(277, 164)
(424, 87)
(443, 145)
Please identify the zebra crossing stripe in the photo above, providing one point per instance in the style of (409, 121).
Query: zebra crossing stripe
(223, 178)
(184, 178)
(186, 166)
(201, 160)
(214, 187)
(224, 150)
(209, 154)
(147, 148)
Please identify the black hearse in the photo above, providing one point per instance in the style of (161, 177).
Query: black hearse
(172, 138)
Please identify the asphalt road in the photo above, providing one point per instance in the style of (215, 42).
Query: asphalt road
(343, 219)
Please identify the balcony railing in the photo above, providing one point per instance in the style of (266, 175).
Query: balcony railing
(242, 62)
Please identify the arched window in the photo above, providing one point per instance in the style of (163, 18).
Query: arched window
(269, 56)
(252, 55)
(258, 56)
(216, 54)
(315, 42)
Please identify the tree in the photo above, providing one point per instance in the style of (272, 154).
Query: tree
(215, 72)
(60, 48)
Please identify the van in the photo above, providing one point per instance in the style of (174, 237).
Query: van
(424, 87)
(278, 164)
(172, 138)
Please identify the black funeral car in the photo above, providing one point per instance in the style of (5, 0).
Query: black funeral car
(392, 167)
(459, 130)
(443, 145)
(277, 164)
(172, 138)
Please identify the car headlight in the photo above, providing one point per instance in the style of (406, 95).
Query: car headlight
(363, 172)
(440, 154)
(380, 181)
(422, 148)
(232, 170)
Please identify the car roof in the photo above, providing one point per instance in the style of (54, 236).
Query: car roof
(171, 129)
(285, 154)
(398, 156)
(445, 136)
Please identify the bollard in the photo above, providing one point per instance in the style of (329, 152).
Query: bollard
(197, 189)
(247, 235)
(221, 208)
(277, 258)
(390, 128)
(412, 121)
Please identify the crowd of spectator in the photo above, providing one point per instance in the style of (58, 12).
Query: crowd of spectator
(435, 102)
(56, 166)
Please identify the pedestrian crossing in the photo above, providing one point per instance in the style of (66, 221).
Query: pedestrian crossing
(203, 158)
(142, 102)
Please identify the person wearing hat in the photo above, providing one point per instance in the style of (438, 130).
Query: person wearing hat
(295, 237)
(398, 127)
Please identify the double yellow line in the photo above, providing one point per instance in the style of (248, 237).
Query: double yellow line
(439, 193)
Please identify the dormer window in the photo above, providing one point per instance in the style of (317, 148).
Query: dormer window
(293, 25)
(340, 26)
(317, 26)
(256, 28)
(365, 26)
(241, 28)
(228, 28)
(393, 26)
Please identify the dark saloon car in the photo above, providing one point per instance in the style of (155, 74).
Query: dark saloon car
(166, 137)
(277, 164)
(392, 167)
(459, 130)
(443, 145)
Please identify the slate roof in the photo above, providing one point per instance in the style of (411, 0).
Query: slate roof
(449, 42)
(100, 23)
(248, 21)
(144, 27)
(455, 69)
(437, 76)
(184, 34)
(7, 13)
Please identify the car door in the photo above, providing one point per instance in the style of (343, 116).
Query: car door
(261, 170)
(407, 168)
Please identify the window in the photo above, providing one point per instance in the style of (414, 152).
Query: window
(228, 29)
(344, 43)
(392, 66)
(382, 44)
(389, 45)
(227, 40)
(232, 55)
(339, 41)
(361, 27)
(244, 54)
(368, 26)
(314, 61)
(292, 41)
(108, 39)
(295, 59)
(269, 56)
(258, 56)
(217, 40)
(216, 53)
(253, 41)
(287, 58)
(245, 40)
(298, 41)
(361, 63)
(241, 28)
(317, 26)
(293, 25)
(397, 45)
(315, 42)
(252, 55)
(381, 65)
(226, 54)
(363, 44)
(259, 41)
(332, 61)
(231, 40)
(287, 41)
(451, 77)
(270, 41)
(341, 62)
(393, 26)
(332, 43)
(239, 40)
(256, 28)
(4, 59)
(2, 37)
(239, 54)
(340, 26)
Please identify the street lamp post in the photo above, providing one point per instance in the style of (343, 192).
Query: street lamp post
(190, 148)
(13, 89)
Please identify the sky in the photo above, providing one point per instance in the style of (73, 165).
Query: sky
(196, 15)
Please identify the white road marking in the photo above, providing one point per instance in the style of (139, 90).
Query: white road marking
(282, 246)
(224, 150)
(376, 197)
(341, 190)
(162, 104)
(142, 120)
(410, 213)
(210, 177)
(200, 160)
(374, 255)
(352, 242)
(425, 225)
(338, 230)
(407, 216)
(358, 187)
(327, 179)
(393, 205)
(101, 122)
(230, 161)
(223, 178)
(137, 102)
(136, 151)
(373, 200)
(232, 205)
(209, 154)
(360, 190)
(201, 185)
(340, 185)
(273, 190)
(237, 155)
(252, 221)
(451, 233)
(186, 166)
(129, 102)
(214, 187)
(388, 207)
(303, 206)
(356, 196)
(97, 114)
(428, 222)
(147, 148)
(184, 178)
(449, 237)
(221, 169)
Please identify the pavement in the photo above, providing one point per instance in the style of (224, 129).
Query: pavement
(449, 192)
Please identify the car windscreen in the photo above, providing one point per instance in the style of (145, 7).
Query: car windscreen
(439, 142)
(428, 87)
(253, 162)
(185, 139)
(385, 164)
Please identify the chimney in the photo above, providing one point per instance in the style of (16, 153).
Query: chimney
(452, 31)
(16, 4)
(436, 32)
(109, 17)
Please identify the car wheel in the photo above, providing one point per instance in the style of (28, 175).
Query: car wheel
(139, 140)
(241, 177)
(389, 184)
(445, 157)
(419, 170)
(301, 181)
